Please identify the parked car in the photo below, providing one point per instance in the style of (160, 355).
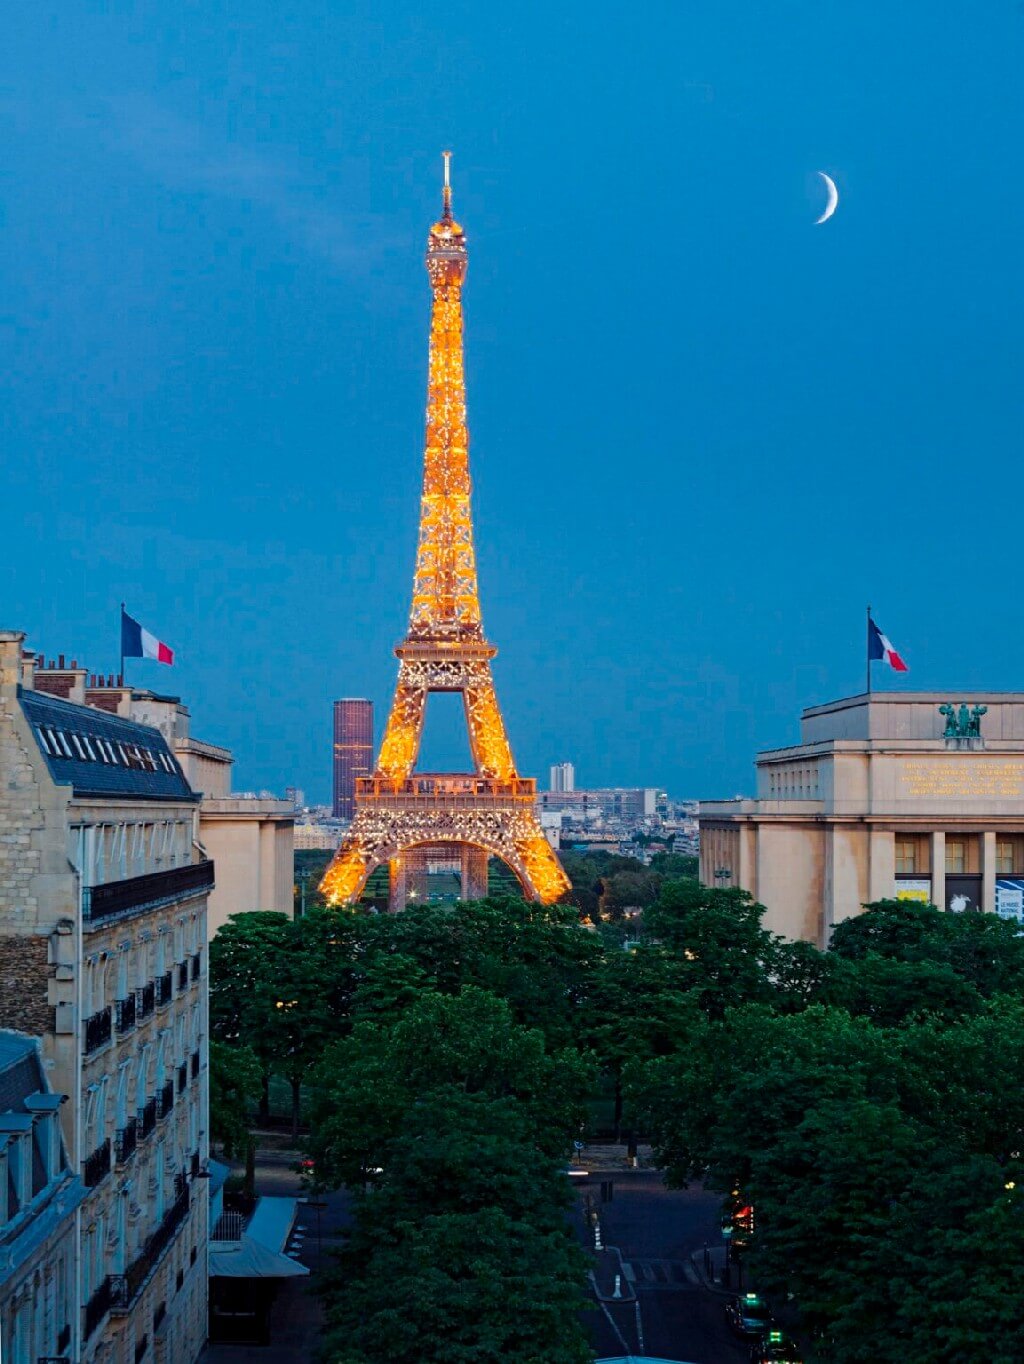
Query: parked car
(748, 1315)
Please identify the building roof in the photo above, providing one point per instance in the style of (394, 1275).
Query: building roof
(99, 754)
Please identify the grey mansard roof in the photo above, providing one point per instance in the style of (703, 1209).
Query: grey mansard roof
(99, 754)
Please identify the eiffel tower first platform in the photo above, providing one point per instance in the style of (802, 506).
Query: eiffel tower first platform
(403, 817)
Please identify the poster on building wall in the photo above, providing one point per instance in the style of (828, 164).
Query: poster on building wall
(919, 889)
(1010, 898)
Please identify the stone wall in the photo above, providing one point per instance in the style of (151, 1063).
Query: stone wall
(23, 985)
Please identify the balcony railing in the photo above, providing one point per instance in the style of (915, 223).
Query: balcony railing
(146, 996)
(96, 1309)
(147, 1119)
(163, 990)
(125, 1288)
(96, 1166)
(197, 965)
(126, 1140)
(454, 792)
(195, 1064)
(182, 976)
(98, 1030)
(124, 1013)
(145, 892)
(165, 1099)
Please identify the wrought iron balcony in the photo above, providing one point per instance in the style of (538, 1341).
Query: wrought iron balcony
(97, 1030)
(147, 1119)
(96, 1309)
(165, 1099)
(146, 997)
(139, 893)
(182, 976)
(97, 1166)
(125, 1288)
(126, 1140)
(125, 1010)
(164, 990)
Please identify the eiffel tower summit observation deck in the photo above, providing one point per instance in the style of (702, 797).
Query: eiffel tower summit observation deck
(407, 818)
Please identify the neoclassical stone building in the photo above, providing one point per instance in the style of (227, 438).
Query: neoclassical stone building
(103, 892)
(39, 1197)
(913, 795)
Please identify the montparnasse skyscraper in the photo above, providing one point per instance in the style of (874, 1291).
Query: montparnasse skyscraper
(408, 818)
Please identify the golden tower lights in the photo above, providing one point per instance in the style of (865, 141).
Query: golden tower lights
(491, 809)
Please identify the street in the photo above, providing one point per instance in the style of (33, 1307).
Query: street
(665, 1312)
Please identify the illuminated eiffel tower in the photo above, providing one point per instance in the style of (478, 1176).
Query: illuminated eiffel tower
(409, 819)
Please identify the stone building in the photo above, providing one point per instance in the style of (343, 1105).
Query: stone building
(916, 795)
(103, 891)
(250, 838)
(39, 1195)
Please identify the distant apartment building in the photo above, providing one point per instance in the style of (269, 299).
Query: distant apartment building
(296, 797)
(563, 777)
(353, 751)
(249, 837)
(39, 1198)
(103, 897)
(630, 804)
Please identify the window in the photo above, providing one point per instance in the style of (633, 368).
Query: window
(956, 855)
(63, 742)
(44, 740)
(88, 747)
(1004, 857)
(78, 746)
(906, 855)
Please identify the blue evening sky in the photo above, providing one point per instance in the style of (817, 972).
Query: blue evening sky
(705, 432)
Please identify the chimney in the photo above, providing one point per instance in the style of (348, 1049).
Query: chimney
(28, 670)
(10, 660)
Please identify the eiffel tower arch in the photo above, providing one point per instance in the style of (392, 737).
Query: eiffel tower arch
(401, 814)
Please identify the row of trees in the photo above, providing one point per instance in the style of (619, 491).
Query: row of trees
(868, 1100)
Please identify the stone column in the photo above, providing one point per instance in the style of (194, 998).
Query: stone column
(882, 865)
(988, 872)
(939, 868)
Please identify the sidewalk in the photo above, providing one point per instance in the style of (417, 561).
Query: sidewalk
(716, 1276)
(610, 1157)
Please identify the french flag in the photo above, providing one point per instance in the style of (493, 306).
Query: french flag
(879, 647)
(139, 643)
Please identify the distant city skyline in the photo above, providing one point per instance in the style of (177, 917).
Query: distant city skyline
(705, 431)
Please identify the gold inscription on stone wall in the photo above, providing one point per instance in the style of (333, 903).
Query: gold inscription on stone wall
(972, 778)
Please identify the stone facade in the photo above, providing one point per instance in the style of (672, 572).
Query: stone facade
(878, 801)
(250, 838)
(25, 974)
(103, 891)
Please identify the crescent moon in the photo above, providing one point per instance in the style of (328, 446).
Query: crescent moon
(833, 199)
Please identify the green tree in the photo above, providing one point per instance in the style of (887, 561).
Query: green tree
(235, 1076)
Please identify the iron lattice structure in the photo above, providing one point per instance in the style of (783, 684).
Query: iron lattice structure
(491, 808)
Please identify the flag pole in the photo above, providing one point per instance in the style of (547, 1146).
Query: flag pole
(120, 630)
(868, 647)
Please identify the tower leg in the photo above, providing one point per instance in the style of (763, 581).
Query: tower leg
(474, 872)
(398, 894)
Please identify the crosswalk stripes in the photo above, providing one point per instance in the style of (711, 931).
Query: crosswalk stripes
(664, 1274)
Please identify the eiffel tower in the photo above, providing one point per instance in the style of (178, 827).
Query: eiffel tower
(411, 819)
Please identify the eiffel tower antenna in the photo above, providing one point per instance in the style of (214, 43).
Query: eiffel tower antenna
(403, 817)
